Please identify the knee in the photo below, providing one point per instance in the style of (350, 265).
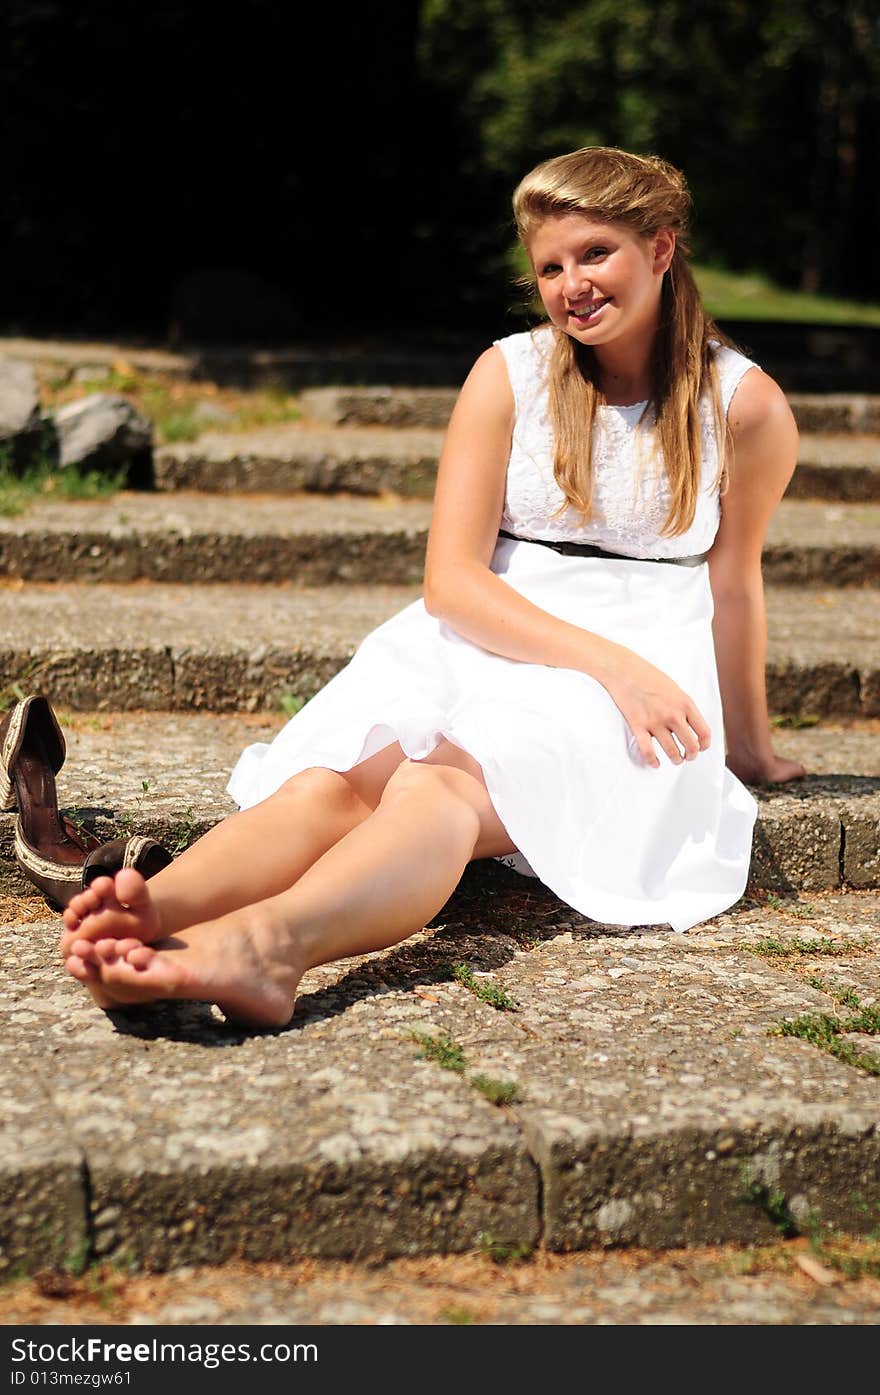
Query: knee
(415, 779)
(318, 784)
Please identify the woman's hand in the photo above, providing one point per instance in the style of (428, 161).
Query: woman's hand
(656, 709)
(768, 769)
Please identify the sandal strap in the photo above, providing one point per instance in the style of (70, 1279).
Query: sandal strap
(11, 744)
(133, 849)
(29, 858)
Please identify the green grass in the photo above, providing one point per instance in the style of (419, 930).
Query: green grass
(501, 1252)
(796, 948)
(443, 1051)
(498, 1092)
(733, 295)
(827, 1032)
(44, 480)
(487, 992)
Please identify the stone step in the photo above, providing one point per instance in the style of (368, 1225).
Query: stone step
(403, 460)
(652, 1101)
(233, 648)
(815, 413)
(320, 540)
(165, 775)
(290, 458)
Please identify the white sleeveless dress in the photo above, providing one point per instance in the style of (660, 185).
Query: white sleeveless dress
(621, 842)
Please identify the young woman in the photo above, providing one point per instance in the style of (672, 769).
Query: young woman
(555, 699)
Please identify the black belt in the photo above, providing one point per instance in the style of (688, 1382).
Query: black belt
(572, 549)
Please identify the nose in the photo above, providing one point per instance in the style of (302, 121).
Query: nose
(576, 283)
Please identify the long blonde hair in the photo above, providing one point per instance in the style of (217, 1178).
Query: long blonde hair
(644, 194)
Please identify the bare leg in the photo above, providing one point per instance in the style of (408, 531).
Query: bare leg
(247, 857)
(378, 884)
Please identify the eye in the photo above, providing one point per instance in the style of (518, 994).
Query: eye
(597, 252)
(548, 269)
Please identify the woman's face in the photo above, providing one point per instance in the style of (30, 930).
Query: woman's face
(600, 282)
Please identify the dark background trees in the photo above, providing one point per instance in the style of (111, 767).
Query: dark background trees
(361, 159)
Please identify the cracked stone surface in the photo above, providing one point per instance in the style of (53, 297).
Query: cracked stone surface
(651, 1095)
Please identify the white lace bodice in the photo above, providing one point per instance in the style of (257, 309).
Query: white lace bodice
(630, 490)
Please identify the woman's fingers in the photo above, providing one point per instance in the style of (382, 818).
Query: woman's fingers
(680, 738)
(700, 727)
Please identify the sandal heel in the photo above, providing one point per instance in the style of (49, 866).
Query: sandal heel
(12, 728)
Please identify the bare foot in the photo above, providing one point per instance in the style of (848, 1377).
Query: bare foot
(234, 962)
(108, 910)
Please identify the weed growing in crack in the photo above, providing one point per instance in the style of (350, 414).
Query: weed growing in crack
(499, 1092)
(503, 1252)
(128, 820)
(838, 991)
(445, 1052)
(772, 1203)
(183, 831)
(768, 948)
(829, 1033)
(487, 992)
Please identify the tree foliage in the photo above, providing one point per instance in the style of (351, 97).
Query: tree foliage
(770, 106)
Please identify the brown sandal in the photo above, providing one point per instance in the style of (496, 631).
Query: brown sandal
(145, 855)
(49, 849)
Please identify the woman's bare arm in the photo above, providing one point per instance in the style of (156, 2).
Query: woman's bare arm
(461, 589)
(764, 457)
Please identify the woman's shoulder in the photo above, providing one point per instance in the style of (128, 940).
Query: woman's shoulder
(530, 345)
(733, 368)
(527, 356)
(758, 402)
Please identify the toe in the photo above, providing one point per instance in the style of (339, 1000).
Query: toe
(106, 950)
(141, 957)
(124, 947)
(100, 889)
(81, 970)
(82, 949)
(132, 890)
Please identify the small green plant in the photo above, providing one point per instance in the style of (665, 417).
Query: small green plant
(503, 1252)
(772, 1202)
(99, 1287)
(790, 906)
(838, 991)
(793, 721)
(76, 1261)
(128, 820)
(27, 682)
(74, 816)
(829, 1033)
(486, 992)
(45, 479)
(183, 831)
(499, 1092)
(442, 1050)
(290, 704)
(769, 948)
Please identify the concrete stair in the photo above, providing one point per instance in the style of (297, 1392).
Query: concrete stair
(286, 459)
(253, 571)
(168, 629)
(320, 539)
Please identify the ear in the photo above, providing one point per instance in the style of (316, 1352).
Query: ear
(664, 249)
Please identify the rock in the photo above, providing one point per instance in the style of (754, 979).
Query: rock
(230, 305)
(105, 432)
(21, 425)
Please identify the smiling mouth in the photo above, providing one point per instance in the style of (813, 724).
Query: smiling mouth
(586, 312)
